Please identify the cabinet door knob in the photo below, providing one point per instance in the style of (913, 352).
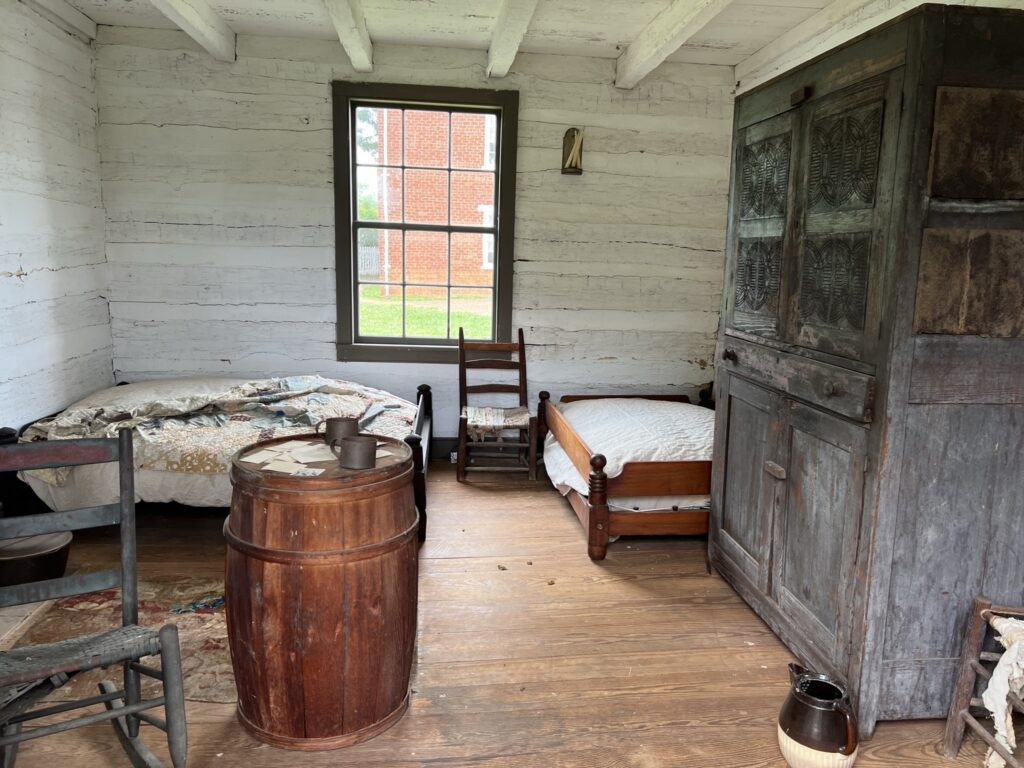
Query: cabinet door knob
(776, 471)
(729, 354)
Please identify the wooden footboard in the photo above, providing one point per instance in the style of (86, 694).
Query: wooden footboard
(640, 478)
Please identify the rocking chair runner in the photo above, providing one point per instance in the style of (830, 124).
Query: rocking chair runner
(481, 427)
(30, 673)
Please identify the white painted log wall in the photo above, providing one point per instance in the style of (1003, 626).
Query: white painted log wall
(220, 222)
(55, 343)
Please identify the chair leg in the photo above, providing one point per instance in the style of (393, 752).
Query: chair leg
(963, 690)
(174, 695)
(9, 753)
(532, 440)
(461, 457)
(132, 695)
(138, 753)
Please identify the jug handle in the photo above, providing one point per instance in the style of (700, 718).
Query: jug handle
(843, 705)
(795, 670)
(321, 423)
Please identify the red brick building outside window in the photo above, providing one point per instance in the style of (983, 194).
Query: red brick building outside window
(424, 221)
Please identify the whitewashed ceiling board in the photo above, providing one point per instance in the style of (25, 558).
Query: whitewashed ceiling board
(448, 23)
(601, 28)
(285, 18)
(744, 28)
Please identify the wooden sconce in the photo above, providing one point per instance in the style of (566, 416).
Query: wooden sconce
(572, 151)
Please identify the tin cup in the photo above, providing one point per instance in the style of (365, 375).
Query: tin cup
(338, 427)
(358, 452)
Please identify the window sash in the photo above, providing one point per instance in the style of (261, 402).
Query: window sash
(356, 224)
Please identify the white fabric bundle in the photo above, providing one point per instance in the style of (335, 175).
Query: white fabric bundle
(1007, 677)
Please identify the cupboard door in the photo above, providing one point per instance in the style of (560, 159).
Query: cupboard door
(762, 197)
(848, 143)
(817, 528)
(745, 440)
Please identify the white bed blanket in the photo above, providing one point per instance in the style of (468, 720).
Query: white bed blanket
(633, 429)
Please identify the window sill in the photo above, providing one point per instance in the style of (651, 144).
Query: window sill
(396, 353)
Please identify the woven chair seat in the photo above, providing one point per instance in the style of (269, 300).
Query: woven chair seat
(77, 654)
(496, 419)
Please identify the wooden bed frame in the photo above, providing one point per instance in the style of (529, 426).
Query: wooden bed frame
(638, 478)
(418, 440)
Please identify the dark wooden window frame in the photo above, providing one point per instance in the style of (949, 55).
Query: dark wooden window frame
(503, 103)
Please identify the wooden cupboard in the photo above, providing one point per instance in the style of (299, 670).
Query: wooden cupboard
(870, 374)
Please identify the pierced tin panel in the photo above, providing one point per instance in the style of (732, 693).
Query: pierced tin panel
(834, 280)
(765, 178)
(758, 270)
(844, 159)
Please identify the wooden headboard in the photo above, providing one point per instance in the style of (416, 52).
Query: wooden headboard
(670, 398)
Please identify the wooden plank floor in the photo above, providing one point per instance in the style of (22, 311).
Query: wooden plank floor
(530, 655)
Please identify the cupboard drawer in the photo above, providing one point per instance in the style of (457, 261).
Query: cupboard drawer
(836, 389)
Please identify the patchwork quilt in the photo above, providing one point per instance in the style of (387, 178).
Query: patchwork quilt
(197, 425)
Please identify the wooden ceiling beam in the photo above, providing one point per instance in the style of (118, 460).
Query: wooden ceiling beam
(350, 25)
(200, 22)
(509, 31)
(663, 36)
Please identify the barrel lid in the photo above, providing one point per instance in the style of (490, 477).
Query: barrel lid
(31, 546)
(305, 460)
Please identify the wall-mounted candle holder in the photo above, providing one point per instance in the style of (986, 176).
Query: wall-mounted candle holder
(572, 151)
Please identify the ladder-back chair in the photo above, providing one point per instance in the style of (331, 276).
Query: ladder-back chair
(28, 674)
(481, 428)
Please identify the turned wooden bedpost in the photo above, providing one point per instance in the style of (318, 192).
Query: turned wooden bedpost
(597, 536)
(426, 397)
(542, 417)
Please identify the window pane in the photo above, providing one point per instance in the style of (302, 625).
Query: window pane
(472, 259)
(473, 198)
(379, 193)
(426, 197)
(426, 138)
(474, 140)
(426, 312)
(473, 310)
(378, 136)
(426, 257)
(380, 310)
(380, 255)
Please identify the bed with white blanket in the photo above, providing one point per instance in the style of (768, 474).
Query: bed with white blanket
(186, 431)
(630, 465)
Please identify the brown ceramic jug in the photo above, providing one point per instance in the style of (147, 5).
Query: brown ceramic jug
(817, 727)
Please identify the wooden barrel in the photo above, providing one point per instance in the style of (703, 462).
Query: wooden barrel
(320, 589)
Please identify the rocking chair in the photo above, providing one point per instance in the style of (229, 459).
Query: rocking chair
(28, 674)
(482, 446)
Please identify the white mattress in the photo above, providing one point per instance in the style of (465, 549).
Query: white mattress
(633, 429)
(96, 484)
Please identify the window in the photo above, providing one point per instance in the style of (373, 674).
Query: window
(425, 194)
